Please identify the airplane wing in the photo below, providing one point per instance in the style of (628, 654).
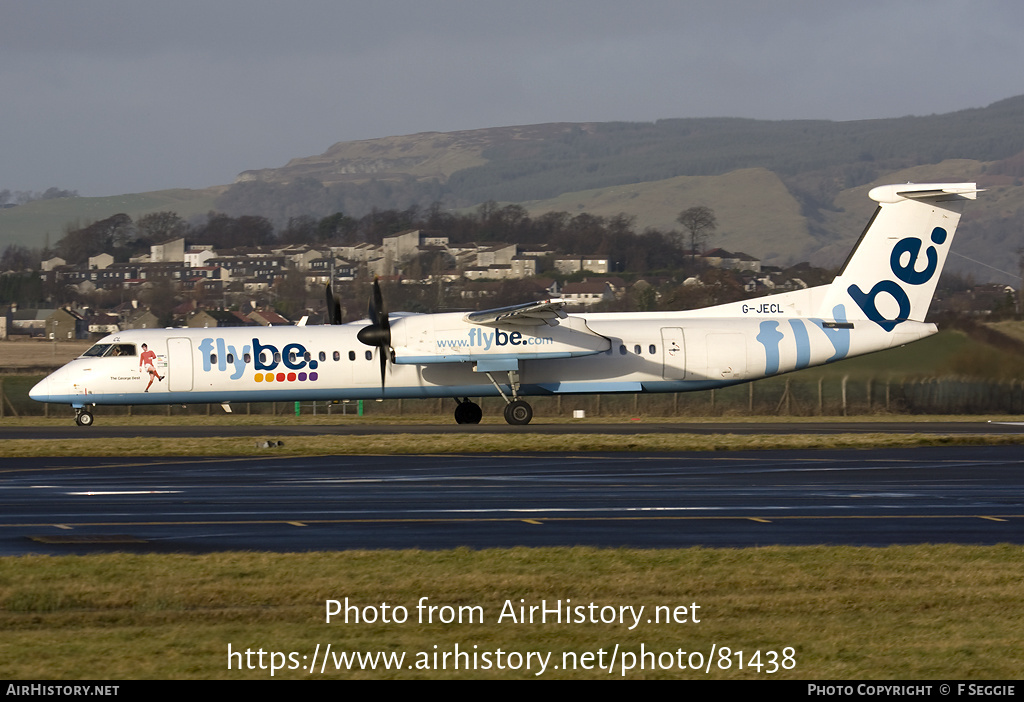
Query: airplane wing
(515, 333)
(526, 314)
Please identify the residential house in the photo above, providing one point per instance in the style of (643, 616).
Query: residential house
(100, 325)
(219, 318)
(268, 318)
(66, 324)
(588, 294)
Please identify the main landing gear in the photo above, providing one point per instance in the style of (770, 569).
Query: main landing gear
(516, 411)
(83, 417)
(468, 412)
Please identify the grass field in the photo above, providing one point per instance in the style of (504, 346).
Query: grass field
(923, 612)
(437, 444)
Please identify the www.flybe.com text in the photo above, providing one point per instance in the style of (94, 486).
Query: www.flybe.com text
(478, 338)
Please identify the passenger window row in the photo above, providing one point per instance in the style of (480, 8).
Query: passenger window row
(292, 357)
(638, 349)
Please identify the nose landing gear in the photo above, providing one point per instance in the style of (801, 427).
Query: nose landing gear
(83, 417)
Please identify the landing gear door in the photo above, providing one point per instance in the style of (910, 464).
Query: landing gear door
(179, 370)
(674, 354)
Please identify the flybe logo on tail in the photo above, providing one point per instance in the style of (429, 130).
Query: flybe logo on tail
(264, 358)
(907, 272)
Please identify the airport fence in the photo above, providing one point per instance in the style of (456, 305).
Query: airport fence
(771, 397)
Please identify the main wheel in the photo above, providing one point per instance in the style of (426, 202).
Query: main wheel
(518, 412)
(468, 413)
(84, 418)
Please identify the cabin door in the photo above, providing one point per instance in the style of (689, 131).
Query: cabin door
(674, 354)
(179, 371)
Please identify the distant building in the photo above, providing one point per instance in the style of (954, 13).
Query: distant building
(739, 261)
(170, 250)
(66, 325)
(569, 265)
(100, 261)
(219, 318)
(139, 319)
(102, 324)
(51, 263)
(268, 318)
(402, 246)
(587, 294)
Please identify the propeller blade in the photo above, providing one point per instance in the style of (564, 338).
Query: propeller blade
(378, 332)
(378, 310)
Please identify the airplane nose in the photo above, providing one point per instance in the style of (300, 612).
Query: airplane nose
(41, 390)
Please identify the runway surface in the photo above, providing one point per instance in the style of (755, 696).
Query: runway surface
(970, 495)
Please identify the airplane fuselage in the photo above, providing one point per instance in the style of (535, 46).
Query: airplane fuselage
(655, 352)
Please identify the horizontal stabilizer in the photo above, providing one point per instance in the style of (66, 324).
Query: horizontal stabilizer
(919, 191)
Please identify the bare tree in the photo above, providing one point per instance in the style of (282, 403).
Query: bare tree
(700, 222)
(158, 227)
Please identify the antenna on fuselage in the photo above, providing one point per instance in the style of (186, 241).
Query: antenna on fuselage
(333, 303)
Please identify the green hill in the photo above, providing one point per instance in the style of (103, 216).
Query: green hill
(783, 190)
(756, 214)
(35, 223)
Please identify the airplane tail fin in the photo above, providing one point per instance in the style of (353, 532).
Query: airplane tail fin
(891, 274)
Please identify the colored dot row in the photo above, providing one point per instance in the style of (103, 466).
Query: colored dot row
(283, 377)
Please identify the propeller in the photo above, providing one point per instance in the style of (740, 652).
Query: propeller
(378, 333)
(333, 306)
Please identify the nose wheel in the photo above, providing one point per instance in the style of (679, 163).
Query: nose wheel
(83, 417)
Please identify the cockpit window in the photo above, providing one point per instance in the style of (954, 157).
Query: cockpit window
(121, 350)
(111, 350)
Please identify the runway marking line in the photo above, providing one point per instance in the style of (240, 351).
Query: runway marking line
(88, 539)
(147, 464)
(449, 520)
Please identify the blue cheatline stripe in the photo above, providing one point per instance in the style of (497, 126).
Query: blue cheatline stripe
(187, 398)
(488, 390)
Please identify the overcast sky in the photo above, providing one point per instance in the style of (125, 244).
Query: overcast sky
(115, 96)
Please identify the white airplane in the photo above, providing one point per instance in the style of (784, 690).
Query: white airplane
(878, 301)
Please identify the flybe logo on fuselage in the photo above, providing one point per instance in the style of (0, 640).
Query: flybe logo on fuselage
(264, 358)
(908, 273)
(479, 339)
